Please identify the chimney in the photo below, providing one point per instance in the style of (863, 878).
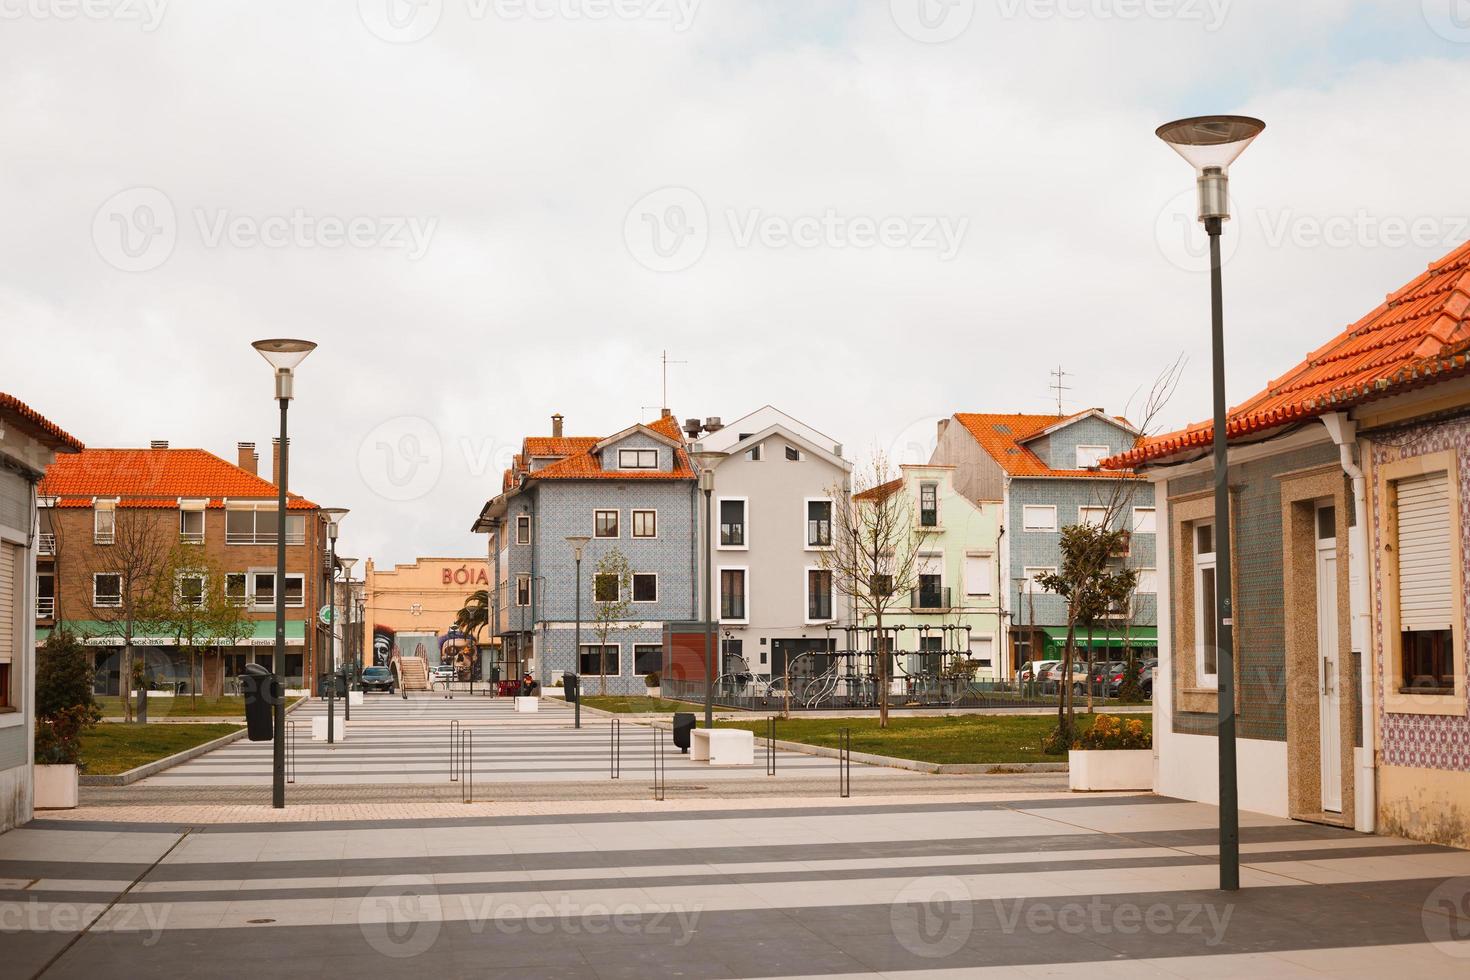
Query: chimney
(276, 459)
(666, 413)
(246, 458)
(692, 428)
(713, 424)
(556, 421)
(158, 444)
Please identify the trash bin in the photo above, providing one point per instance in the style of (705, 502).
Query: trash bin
(571, 685)
(683, 725)
(262, 692)
(325, 682)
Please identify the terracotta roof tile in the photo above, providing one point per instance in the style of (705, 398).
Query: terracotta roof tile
(1003, 437)
(1417, 336)
(155, 478)
(578, 462)
(881, 492)
(51, 434)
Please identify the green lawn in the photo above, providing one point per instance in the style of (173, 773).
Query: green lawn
(180, 707)
(108, 749)
(963, 739)
(619, 704)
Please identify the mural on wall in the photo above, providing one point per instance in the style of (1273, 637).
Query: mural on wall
(416, 645)
(382, 645)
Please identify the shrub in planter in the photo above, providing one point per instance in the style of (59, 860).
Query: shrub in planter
(65, 706)
(651, 679)
(1131, 690)
(1110, 732)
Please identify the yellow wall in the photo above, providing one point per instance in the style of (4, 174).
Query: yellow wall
(438, 586)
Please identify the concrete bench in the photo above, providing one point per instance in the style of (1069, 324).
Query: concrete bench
(722, 746)
(527, 704)
(319, 730)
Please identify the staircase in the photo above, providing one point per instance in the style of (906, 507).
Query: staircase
(413, 673)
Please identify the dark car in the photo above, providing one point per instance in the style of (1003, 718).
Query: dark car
(378, 679)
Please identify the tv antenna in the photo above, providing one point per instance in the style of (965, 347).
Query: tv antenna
(665, 362)
(1060, 387)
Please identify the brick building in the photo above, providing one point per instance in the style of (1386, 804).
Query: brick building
(92, 501)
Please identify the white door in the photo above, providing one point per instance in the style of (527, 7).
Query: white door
(1329, 695)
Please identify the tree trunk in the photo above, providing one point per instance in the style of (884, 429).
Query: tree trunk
(883, 655)
(1089, 668)
(125, 680)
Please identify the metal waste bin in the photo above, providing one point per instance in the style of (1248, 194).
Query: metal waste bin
(683, 725)
(262, 693)
(571, 686)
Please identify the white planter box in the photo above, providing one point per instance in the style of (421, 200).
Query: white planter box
(1089, 770)
(56, 787)
(527, 704)
(354, 697)
(655, 692)
(319, 730)
(722, 746)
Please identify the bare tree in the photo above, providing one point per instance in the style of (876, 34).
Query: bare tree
(874, 556)
(194, 608)
(612, 587)
(138, 556)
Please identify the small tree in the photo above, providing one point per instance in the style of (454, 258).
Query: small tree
(193, 608)
(138, 557)
(65, 706)
(612, 588)
(874, 555)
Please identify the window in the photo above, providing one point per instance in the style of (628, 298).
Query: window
(605, 587)
(1426, 594)
(637, 459)
(732, 523)
(104, 522)
(818, 595)
(1031, 585)
(1088, 457)
(928, 505)
(755, 454)
(648, 658)
(732, 594)
(1148, 581)
(1039, 517)
(979, 575)
(793, 454)
(237, 587)
(523, 590)
(1093, 516)
(107, 590)
(645, 587)
(523, 529)
(982, 648)
(819, 523)
(45, 595)
(605, 524)
(256, 524)
(931, 593)
(645, 523)
(1145, 520)
(191, 522)
(189, 590)
(1206, 621)
(598, 660)
(264, 589)
(295, 589)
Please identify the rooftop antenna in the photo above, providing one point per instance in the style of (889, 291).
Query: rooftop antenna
(1059, 387)
(664, 358)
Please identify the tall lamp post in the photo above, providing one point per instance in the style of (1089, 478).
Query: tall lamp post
(347, 648)
(283, 356)
(1211, 144)
(578, 543)
(333, 517)
(708, 459)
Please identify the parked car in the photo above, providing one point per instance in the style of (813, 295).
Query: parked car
(443, 672)
(1146, 670)
(1034, 670)
(1051, 681)
(378, 679)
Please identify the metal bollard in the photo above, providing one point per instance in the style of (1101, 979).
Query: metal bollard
(615, 749)
(454, 729)
(467, 762)
(771, 746)
(660, 785)
(844, 763)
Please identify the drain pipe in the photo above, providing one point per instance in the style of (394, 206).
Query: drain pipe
(1344, 433)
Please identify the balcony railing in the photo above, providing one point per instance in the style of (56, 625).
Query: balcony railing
(263, 537)
(102, 537)
(45, 606)
(191, 537)
(929, 598)
(47, 543)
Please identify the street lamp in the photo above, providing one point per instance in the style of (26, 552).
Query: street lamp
(579, 542)
(333, 516)
(283, 356)
(1211, 144)
(708, 459)
(347, 648)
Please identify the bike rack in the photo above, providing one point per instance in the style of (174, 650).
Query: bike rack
(844, 763)
(660, 783)
(454, 729)
(290, 751)
(771, 746)
(615, 749)
(467, 765)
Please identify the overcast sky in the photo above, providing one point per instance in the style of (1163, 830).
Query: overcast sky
(870, 214)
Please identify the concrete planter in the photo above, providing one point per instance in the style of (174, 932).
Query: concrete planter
(354, 698)
(55, 787)
(655, 692)
(1120, 769)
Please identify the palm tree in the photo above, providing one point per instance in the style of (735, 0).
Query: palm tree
(475, 615)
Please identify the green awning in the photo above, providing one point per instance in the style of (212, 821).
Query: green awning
(97, 633)
(1139, 638)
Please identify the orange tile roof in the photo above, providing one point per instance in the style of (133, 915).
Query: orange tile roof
(1003, 437)
(155, 478)
(881, 492)
(578, 462)
(1420, 335)
(48, 432)
(557, 446)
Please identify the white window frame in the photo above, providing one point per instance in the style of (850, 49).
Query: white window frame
(1091, 515)
(806, 596)
(973, 656)
(806, 523)
(1094, 453)
(633, 525)
(275, 586)
(617, 524)
(602, 647)
(523, 588)
(638, 455)
(301, 603)
(719, 585)
(1145, 515)
(614, 577)
(244, 599)
(187, 507)
(97, 602)
(108, 507)
(523, 529)
(1027, 511)
(179, 588)
(636, 647)
(1200, 563)
(989, 561)
(253, 507)
(1147, 577)
(919, 507)
(794, 459)
(1029, 575)
(754, 454)
(633, 588)
(745, 524)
